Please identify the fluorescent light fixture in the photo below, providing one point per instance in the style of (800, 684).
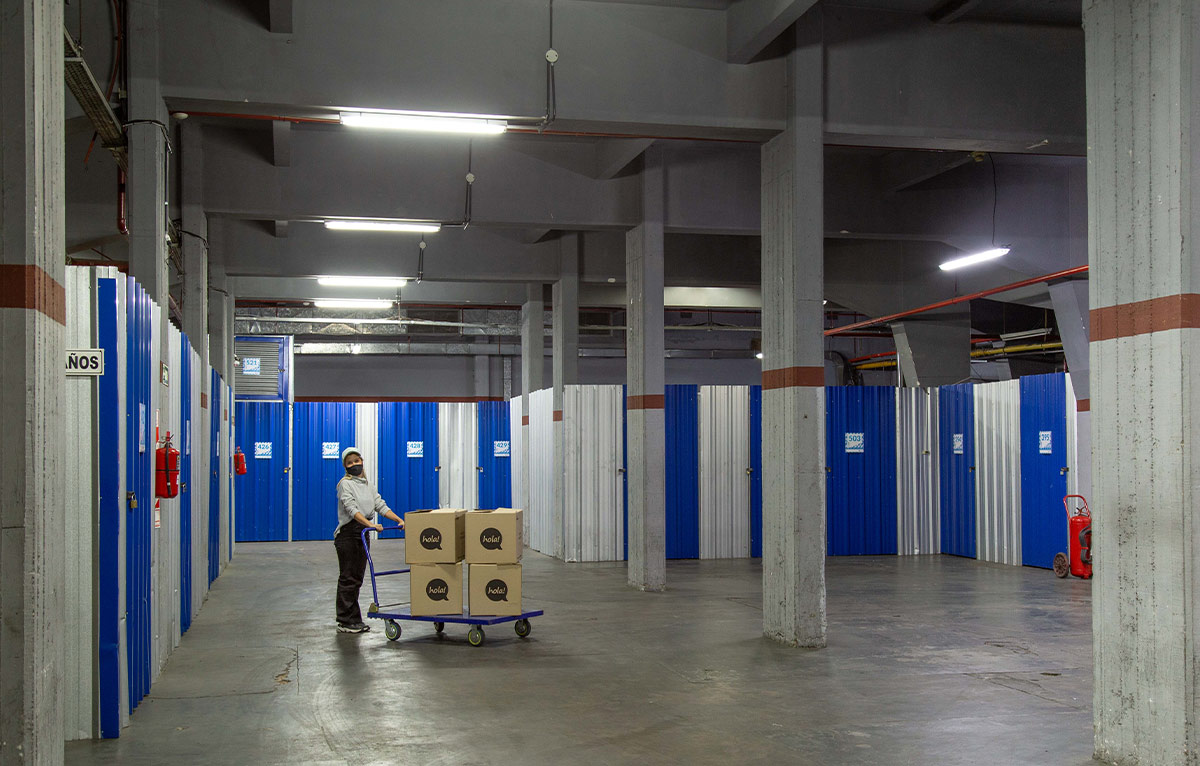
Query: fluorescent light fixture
(351, 224)
(362, 281)
(352, 303)
(758, 355)
(429, 123)
(974, 258)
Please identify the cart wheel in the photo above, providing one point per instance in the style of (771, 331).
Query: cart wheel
(439, 626)
(391, 629)
(475, 636)
(522, 627)
(1062, 567)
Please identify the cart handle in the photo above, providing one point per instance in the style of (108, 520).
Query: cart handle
(1084, 511)
(370, 561)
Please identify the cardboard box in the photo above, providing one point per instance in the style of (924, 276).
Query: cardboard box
(495, 589)
(434, 537)
(495, 537)
(436, 589)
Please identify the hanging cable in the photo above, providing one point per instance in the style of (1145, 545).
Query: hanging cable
(470, 183)
(421, 260)
(995, 196)
(551, 91)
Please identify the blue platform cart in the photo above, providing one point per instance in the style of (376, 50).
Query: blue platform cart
(391, 619)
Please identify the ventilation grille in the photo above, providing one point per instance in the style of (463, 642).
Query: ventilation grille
(262, 356)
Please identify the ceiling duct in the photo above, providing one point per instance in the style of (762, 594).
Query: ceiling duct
(86, 90)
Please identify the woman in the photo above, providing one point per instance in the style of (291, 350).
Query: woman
(358, 502)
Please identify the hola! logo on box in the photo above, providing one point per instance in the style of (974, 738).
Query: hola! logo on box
(855, 442)
(329, 450)
(262, 450)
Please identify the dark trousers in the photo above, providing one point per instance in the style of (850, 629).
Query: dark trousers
(352, 564)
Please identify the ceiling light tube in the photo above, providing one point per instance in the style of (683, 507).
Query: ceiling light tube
(351, 224)
(974, 258)
(380, 282)
(429, 123)
(352, 303)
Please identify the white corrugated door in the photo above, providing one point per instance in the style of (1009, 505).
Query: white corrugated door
(593, 486)
(998, 472)
(724, 481)
(541, 471)
(458, 455)
(917, 495)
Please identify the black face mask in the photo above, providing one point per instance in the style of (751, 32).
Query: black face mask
(355, 470)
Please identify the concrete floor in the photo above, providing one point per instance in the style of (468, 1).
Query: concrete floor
(931, 660)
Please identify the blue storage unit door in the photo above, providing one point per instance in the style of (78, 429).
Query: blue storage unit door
(956, 462)
(682, 419)
(139, 463)
(408, 456)
(756, 497)
(112, 505)
(495, 455)
(860, 485)
(262, 493)
(185, 480)
(214, 479)
(321, 430)
(1043, 468)
(625, 473)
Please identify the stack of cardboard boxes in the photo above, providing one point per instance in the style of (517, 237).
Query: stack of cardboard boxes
(491, 541)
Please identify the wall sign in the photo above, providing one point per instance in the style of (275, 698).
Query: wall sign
(164, 374)
(958, 444)
(85, 361)
(855, 443)
(416, 449)
(330, 450)
(141, 427)
(1045, 442)
(252, 365)
(501, 449)
(262, 450)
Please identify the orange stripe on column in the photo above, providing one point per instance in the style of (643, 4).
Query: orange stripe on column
(203, 401)
(792, 377)
(1125, 320)
(524, 420)
(1083, 405)
(646, 402)
(557, 415)
(25, 286)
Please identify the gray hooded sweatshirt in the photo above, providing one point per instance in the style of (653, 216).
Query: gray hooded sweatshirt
(356, 495)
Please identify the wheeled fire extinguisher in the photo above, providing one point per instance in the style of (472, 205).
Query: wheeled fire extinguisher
(166, 469)
(239, 462)
(1079, 541)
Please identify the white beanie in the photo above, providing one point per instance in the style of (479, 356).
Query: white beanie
(349, 451)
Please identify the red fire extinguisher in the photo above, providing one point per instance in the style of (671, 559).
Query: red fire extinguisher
(166, 469)
(239, 462)
(1079, 541)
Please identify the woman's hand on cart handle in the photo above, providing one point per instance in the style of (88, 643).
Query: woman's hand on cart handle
(378, 527)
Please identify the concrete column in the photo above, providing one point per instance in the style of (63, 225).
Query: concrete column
(645, 377)
(220, 328)
(935, 348)
(482, 377)
(32, 420)
(565, 368)
(1144, 219)
(146, 135)
(195, 239)
(793, 355)
(1071, 312)
(533, 343)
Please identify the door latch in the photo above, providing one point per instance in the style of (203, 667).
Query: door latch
(131, 498)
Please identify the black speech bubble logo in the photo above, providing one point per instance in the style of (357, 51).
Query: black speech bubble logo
(491, 539)
(437, 590)
(431, 539)
(497, 590)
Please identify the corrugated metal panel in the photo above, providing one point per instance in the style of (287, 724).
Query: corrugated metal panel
(998, 472)
(110, 612)
(756, 471)
(366, 438)
(321, 430)
(261, 495)
(267, 356)
(593, 484)
(1072, 415)
(79, 485)
(199, 482)
(541, 471)
(724, 472)
(860, 485)
(185, 484)
(139, 477)
(228, 487)
(495, 455)
(1043, 468)
(167, 543)
(682, 420)
(956, 469)
(408, 478)
(458, 447)
(518, 479)
(216, 405)
(917, 525)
